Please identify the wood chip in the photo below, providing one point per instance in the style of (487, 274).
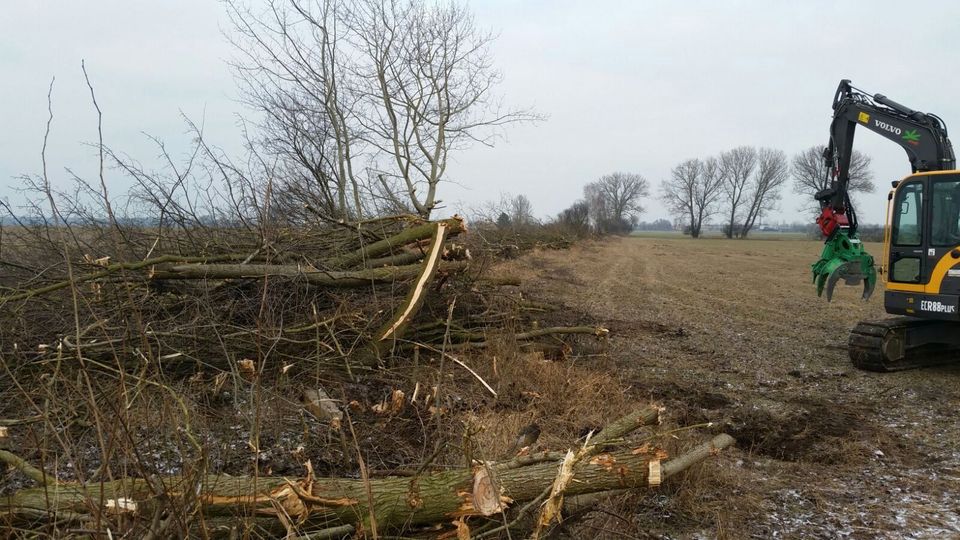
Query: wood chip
(397, 401)
(120, 506)
(392, 406)
(248, 369)
(606, 461)
(463, 530)
(654, 477)
(318, 403)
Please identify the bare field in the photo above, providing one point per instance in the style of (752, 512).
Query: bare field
(732, 332)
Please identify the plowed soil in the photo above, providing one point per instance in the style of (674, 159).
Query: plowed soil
(732, 332)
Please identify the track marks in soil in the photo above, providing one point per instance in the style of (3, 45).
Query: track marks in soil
(732, 332)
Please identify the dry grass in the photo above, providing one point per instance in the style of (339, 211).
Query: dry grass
(565, 399)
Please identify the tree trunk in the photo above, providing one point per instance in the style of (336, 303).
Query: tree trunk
(454, 226)
(395, 502)
(356, 278)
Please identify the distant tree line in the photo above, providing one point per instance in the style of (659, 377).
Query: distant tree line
(740, 186)
(610, 205)
(744, 184)
(656, 225)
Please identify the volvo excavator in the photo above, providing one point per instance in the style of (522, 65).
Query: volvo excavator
(921, 246)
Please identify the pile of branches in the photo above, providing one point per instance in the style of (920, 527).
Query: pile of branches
(353, 294)
(92, 316)
(95, 318)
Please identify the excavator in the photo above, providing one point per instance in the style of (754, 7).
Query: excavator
(921, 244)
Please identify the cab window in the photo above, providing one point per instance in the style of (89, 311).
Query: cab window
(907, 229)
(945, 221)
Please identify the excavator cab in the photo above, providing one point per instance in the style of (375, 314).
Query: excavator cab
(923, 247)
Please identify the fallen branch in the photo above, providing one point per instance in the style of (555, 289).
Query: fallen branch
(460, 363)
(114, 268)
(705, 450)
(398, 323)
(323, 278)
(502, 281)
(479, 341)
(30, 471)
(375, 250)
(561, 330)
(397, 502)
(400, 259)
(7, 422)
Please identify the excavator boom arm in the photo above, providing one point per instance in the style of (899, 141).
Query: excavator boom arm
(923, 137)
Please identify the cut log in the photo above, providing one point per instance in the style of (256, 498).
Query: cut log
(400, 259)
(20, 421)
(396, 502)
(35, 474)
(357, 278)
(112, 269)
(375, 250)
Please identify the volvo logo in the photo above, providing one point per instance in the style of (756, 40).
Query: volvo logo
(887, 127)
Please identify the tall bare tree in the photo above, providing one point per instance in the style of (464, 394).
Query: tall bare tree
(693, 191)
(292, 69)
(763, 190)
(737, 166)
(367, 99)
(521, 211)
(614, 201)
(810, 174)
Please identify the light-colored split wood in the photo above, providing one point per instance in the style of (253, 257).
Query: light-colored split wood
(416, 295)
(654, 476)
(486, 491)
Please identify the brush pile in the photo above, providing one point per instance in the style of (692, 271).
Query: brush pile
(180, 384)
(355, 295)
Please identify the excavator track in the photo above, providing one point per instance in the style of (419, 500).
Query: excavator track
(900, 343)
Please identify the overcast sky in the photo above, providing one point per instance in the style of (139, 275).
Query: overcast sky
(627, 86)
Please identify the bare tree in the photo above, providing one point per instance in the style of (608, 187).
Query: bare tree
(693, 191)
(291, 69)
(614, 201)
(810, 174)
(521, 211)
(737, 166)
(509, 210)
(576, 218)
(763, 189)
(366, 100)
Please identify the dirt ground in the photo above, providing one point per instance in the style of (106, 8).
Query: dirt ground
(732, 332)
